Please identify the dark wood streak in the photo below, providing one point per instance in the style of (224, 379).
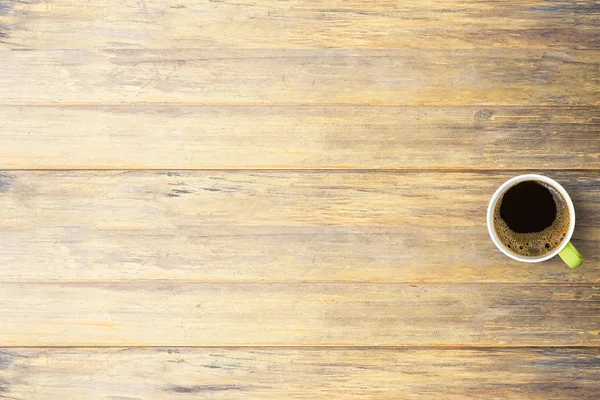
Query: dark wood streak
(204, 388)
(4, 185)
(5, 8)
(568, 8)
(15, 15)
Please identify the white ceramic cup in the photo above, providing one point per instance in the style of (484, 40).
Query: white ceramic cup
(566, 250)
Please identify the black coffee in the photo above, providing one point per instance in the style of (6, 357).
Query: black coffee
(531, 218)
(528, 207)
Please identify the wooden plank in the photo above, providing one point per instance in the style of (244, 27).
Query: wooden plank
(299, 137)
(298, 314)
(431, 24)
(393, 77)
(250, 226)
(174, 373)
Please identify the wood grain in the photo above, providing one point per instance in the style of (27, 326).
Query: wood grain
(366, 373)
(299, 137)
(313, 77)
(223, 24)
(298, 314)
(256, 226)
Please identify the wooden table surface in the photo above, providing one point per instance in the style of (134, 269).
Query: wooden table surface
(286, 199)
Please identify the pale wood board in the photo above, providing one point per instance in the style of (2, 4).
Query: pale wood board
(299, 137)
(363, 373)
(299, 314)
(257, 226)
(268, 76)
(226, 24)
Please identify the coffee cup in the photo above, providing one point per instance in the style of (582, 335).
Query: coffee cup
(531, 218)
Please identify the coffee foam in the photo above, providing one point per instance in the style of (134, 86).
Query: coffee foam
(535, 244)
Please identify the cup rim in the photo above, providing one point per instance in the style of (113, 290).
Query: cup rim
(521, 178)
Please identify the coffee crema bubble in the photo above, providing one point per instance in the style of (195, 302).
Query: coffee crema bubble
(531, 218)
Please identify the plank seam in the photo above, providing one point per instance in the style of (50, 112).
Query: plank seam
(432, 169)
(302, 105)
(311, 346)
(593, 285)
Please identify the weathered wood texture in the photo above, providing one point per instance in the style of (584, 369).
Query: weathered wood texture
(271, 226)
(299, 137)
(367, 373)
(299, 24)
(298, 314)
(398, 77)
(257, 258)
